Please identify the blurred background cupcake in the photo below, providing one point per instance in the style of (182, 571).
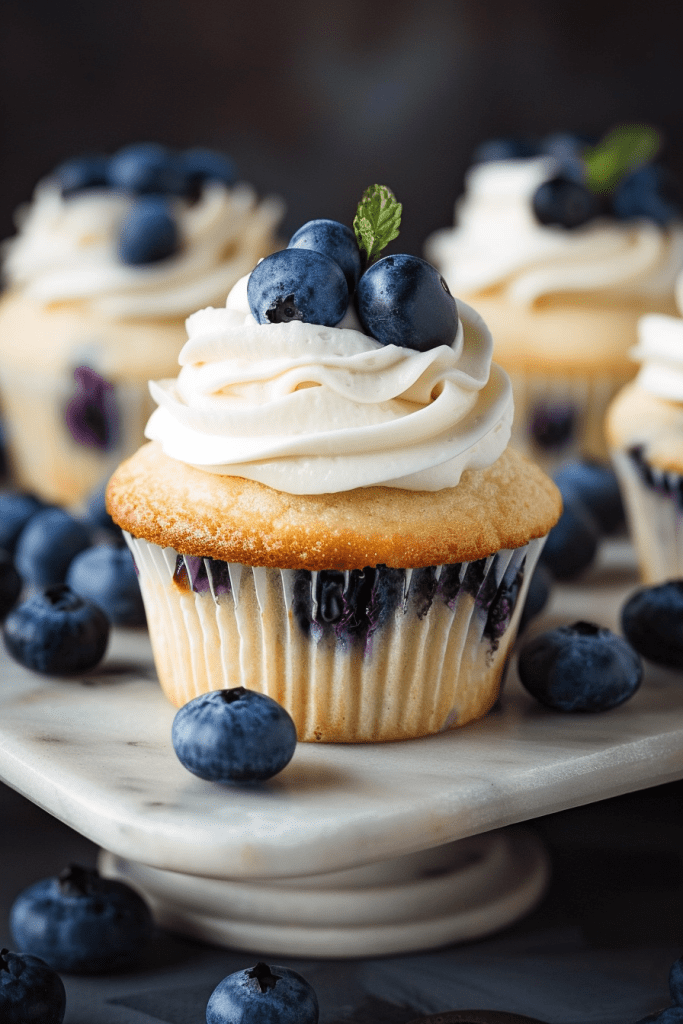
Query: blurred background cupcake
(563, 245)
(644, 427)
(110, 257)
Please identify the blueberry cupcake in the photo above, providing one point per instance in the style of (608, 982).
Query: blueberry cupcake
(110, 257)
(644, 427)
(563, 247)
(328, 511)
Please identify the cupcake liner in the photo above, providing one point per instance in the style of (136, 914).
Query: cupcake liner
(359, 656)
(67, 433)
(653, 501)
(561, 419)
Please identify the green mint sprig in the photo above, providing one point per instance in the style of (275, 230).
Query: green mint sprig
(377, 221)
(622, 150)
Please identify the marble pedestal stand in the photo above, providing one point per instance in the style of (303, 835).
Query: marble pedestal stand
(351, 850)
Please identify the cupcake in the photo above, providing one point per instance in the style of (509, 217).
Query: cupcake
(331, 517)
(109, 259)
(563, 247)
(644, 428)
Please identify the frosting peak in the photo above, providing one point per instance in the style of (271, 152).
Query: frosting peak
(660, 350)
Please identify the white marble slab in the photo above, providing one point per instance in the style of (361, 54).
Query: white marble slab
(96, 753)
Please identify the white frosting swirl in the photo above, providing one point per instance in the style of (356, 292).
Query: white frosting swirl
(498, 243)
(312, 410)
(66, 250)
(660, 350)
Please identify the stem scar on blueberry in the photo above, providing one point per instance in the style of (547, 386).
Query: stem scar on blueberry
(265, 977)
(75, 880)
(283, 311)
(586, 628)
(234, 694)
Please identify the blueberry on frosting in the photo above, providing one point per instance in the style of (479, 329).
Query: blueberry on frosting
(298, 284)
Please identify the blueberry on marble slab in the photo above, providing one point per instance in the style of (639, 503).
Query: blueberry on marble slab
(15, 512)
(147, 168)
(298, 284)
(10, 584)
(573, 542)
(148, 233)
(582, 667)
(403, 300)
(106, 576)
(263, 994)
(597, 487)
(82, 923)
(652, 621)
(31, 992)
(234, 735)
(564, 202)
(56, 632)
(334, 240)
(47, 545)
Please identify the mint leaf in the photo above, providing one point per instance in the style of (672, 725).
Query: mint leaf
(621, 151)
(377, 221)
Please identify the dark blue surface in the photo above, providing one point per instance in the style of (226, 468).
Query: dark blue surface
(334, 240)
(298, 284)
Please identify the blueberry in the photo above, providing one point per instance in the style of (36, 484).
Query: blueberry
(580, 668)
(147, 168)
(597, 487)
(15, 512)
(10, 583)
(676, 981)
(573, 542)
(651, 191)
(403, 300)
(540, 586)
(504, 149)
(670, 1015)
(201, 165)
(95, 515)
(298, 284)
(652, 620)
(91, 414)
(83, 172)
(106, 576)
(30, 991)
(148, 233)
(553, 425)
(81, 923)
(263, 995)
(57, 632)
(46, 546)
(233, 735)
(566, 149)
(334, 240)
(564, 203)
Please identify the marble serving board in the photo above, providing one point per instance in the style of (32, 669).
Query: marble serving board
(96, 753)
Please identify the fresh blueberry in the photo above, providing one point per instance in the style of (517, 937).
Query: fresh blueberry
(553, 425)
(298, 284)
(573, 541)
(233, 735)
(580, 668)
(82, 173)
(651, 191)
(652, 620)
(334, 240)
(564, 203)
(57, 632)
(95, 515)
(148, 233)
(146, 168)
(30, 991)
(47, 545)
(540, 586)
(91, 414)
(263, 995)
(10, 583)
(504, 149)
(15, 512)
(676, 981)
(201, 165)
(403, 300)
(106, 576)
(81, 923)
(597, 487)
(566, 149)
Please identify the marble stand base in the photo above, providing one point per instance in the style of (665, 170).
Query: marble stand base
(453, 893)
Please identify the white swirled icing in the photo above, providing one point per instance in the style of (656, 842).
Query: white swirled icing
(660, 350)
(65, 250)
(498, 243)
(311, 410)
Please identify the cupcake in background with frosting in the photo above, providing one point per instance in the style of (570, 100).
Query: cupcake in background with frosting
(328, 510)
(563, 247)
(644, 427)
(110, 257)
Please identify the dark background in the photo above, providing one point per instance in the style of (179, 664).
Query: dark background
(316, 100)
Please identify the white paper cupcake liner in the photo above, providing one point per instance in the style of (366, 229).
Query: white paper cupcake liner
(354, 657)
(653, 501)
